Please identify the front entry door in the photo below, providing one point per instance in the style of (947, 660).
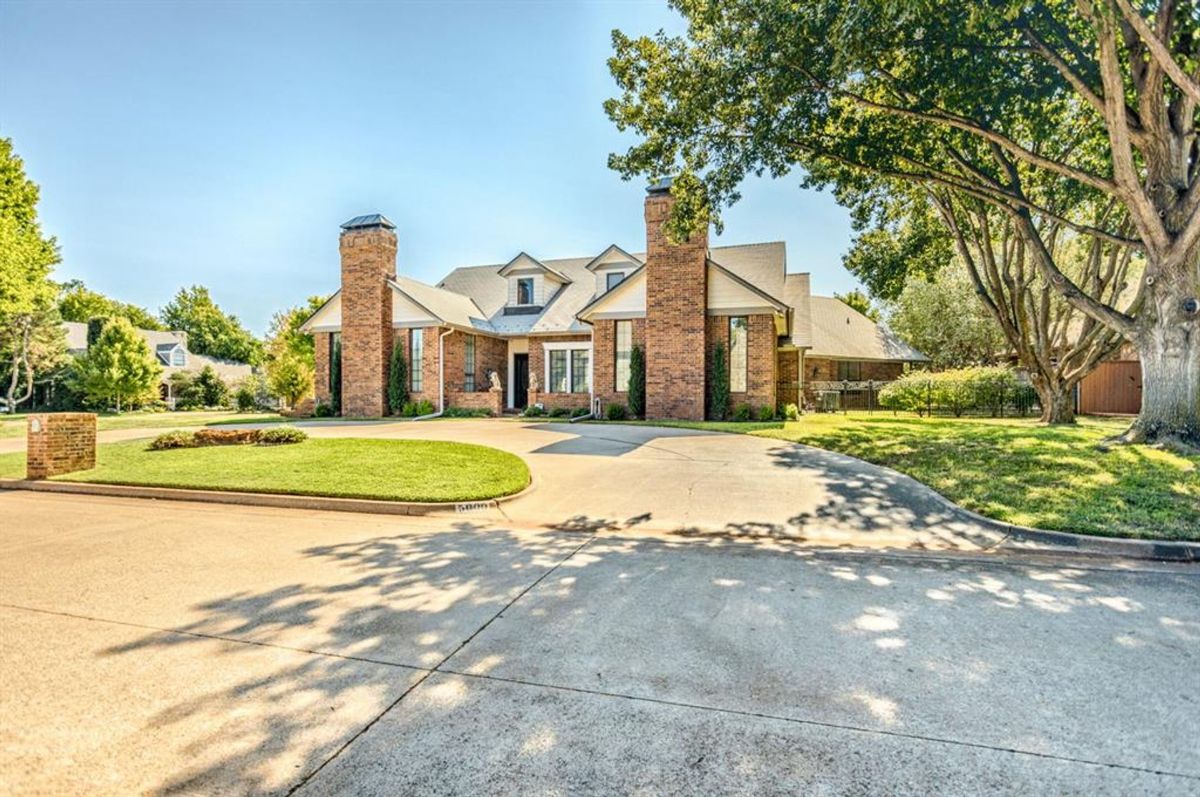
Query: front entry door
(520, 380)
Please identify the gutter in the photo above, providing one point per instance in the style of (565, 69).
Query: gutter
(441, 378)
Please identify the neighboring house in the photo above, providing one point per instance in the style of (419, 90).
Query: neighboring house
(560, 332)
(171, 350)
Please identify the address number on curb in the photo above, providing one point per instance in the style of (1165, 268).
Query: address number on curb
(473, 506)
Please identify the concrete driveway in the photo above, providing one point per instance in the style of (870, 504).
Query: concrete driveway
(175, 648)
(593, 476)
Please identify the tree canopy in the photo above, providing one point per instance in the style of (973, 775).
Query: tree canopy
(1027, 107)
(210, 330)
(77, 302)
(30, 339)
(118, 369)
(859, 301)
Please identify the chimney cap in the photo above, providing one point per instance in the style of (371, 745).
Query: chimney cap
(663, 186)
(369, 221)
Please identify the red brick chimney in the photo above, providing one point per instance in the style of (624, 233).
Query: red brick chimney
(676, 293)
(368, 248)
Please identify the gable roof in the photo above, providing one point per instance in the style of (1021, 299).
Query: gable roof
(522, 259)
(607, 256)
(452, 308)
(842, 332)
(162, 342)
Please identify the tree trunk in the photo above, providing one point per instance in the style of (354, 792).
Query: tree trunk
(1058, 403)
(1170, 412)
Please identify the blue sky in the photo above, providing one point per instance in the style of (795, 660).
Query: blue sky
(223, 143)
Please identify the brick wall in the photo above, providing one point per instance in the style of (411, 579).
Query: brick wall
(787, 374)
(368, 260)
(428, 364)
(676, 290)
(62, 443)
(761, 344)
(322, 341)
(491, 354)
(823, 370)
(604, 351)
(553, 401)
(490, 400)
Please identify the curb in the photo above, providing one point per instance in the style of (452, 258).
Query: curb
(274, 500)
(1121, 547)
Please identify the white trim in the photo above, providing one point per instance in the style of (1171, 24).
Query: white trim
(567, 346)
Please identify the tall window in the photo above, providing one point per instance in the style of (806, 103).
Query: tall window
(178, 357)
(738, 329)
(613, 279)
(623, 349)
(418, 356)
(579, 370)
(525, 290)
(558, 371)
(335, 356)
(469, 365)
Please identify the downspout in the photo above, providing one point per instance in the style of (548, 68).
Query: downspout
(441, 378)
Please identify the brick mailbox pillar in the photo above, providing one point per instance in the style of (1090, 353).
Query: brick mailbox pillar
(60, 442)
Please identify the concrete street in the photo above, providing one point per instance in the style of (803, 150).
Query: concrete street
(175, 648)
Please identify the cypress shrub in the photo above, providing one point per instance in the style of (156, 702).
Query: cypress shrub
(397, 380)
(718, 385)
(637, 383)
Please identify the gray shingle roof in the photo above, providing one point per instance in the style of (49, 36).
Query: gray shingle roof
(161, 342)
(839, 330)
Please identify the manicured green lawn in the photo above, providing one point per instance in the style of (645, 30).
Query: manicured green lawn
(1017, 470)
(397, 470)
(14, 425)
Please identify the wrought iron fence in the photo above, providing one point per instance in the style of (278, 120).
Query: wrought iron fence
(926, 397)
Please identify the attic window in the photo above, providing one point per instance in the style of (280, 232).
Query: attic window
(613, 279)
(178, 357)
(525, 290)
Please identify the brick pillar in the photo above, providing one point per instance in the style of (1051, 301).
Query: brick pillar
(321, 350)
(60, 442)
(676, 292)
(368, 248)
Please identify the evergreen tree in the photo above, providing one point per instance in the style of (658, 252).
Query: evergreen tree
(119, 368)
(718, 385)
(637, 383)
(213, 391)
(397, 380)
(335, 377)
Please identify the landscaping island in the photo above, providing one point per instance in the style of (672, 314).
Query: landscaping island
(1016, 470)
(390, 470)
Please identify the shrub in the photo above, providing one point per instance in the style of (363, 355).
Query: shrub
(791, 412)
(615, 412)
(226, 437)
(409, 409)
(559, 412)
(955, 391)
(281, 435)
(245, 399)
(744, 412)
(579, 412)
(187, 394)
(324, 410)
(465, 412)
(718, 385)
(637, 383)
(213, 391)
(397, 379)
(424, 407)
(534, 411)
(766, 413)
(176, 439)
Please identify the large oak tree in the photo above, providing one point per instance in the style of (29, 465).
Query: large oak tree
(995, 101)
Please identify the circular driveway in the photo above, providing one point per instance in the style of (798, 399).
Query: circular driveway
(609, 476)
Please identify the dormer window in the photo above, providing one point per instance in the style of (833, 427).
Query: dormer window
(612, 279)
(178, 357)
(525, 290)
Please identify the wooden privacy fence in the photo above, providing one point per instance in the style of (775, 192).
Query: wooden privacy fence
(1115, 387)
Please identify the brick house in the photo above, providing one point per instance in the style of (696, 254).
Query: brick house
(559, 332)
